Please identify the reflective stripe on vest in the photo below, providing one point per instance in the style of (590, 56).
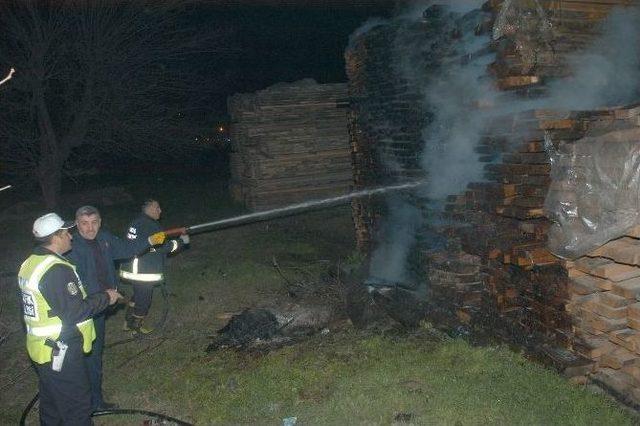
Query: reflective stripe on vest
(40, 325)
(134, 275)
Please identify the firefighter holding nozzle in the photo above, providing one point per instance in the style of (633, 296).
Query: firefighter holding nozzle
(60, 330)
(145, 271)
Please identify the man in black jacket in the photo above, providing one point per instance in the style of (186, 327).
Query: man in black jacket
(146, 270)
(57, 314)
(93, 253)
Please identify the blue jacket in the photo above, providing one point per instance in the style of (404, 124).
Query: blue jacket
(112, 247)
(147, 267)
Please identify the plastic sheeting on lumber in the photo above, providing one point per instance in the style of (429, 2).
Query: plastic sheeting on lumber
(526, 24)
(595, 191)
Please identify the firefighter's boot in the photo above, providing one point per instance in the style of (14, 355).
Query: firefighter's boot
(137, 326)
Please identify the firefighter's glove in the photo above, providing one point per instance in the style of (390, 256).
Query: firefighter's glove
(185, 239)
(157, 238)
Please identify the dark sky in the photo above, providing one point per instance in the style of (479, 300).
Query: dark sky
(270, 44)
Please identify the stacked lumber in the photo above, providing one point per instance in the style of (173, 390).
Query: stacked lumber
(525, 60)
(385, 122)
(290, 144)
(582, 314)
(495, 272)
(524, 290)
(455, 285)
(604, 293)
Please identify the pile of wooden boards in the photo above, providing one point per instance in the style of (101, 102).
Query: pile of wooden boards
(539, 49)
(504, 225)
(604, 289)
(495, 271)
(584, 315)
(290, 144)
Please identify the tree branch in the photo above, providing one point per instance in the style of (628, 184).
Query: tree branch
(8, 77)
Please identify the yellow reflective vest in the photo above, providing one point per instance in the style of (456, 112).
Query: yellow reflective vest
(40, 325)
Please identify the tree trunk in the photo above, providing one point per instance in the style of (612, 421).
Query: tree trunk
(50, 180)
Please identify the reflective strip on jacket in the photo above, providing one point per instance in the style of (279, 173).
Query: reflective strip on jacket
(147, 267)
(135, 275)
(40, 325)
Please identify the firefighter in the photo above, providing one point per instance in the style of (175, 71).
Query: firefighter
(57, 314)
(93, 253)
(147, 270)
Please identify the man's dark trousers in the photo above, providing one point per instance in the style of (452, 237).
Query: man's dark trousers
(94, 362)
(65, 395)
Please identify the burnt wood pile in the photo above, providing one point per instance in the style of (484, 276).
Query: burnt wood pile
(385, 121)
(290, 144)
(386, 67)
(496, 273)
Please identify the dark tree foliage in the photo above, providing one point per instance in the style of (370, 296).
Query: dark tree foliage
(96, 78)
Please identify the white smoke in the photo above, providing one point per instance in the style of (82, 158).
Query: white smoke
(455, 97)
(398, 235)
(608, 72)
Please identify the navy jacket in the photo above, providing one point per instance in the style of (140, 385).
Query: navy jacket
(149, 265)
(112, 248)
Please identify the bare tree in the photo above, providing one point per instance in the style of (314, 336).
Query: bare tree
(96, 77)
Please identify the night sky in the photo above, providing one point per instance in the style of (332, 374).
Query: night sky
(269, 44)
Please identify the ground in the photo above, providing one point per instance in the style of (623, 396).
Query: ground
(341, 376)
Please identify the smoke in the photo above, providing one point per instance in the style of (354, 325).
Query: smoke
(607, 73)
(398, 236)
(455, 97)
(448, 73)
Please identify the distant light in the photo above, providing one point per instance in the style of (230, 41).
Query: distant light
(221, 129)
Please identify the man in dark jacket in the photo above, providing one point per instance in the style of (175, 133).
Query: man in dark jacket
(93, 253)
(146, 270)
(57, 314)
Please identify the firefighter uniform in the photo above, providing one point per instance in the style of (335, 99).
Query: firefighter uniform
(58, 312)
(145, 270)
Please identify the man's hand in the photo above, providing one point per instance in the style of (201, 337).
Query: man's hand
(185, 238)
(113, 295)
(157, 238)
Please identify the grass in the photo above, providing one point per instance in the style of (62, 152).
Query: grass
(344, 377)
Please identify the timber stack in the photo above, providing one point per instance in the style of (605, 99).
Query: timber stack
(581, 315)
(496, 273)
(536, 38)
(290, 144)
(386, 118)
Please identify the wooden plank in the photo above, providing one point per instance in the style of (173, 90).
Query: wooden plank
(629, 289)
(584, 285)
(623, 250)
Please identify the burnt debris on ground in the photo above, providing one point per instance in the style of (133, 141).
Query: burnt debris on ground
(317, 306)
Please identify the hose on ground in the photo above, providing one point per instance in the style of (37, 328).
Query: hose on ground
(116, 412)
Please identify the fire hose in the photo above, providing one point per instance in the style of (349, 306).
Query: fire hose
(286, 211)
(118, 411)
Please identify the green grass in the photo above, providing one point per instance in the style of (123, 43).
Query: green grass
(344, 377)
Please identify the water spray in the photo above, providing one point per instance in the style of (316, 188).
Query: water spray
(289, 210)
